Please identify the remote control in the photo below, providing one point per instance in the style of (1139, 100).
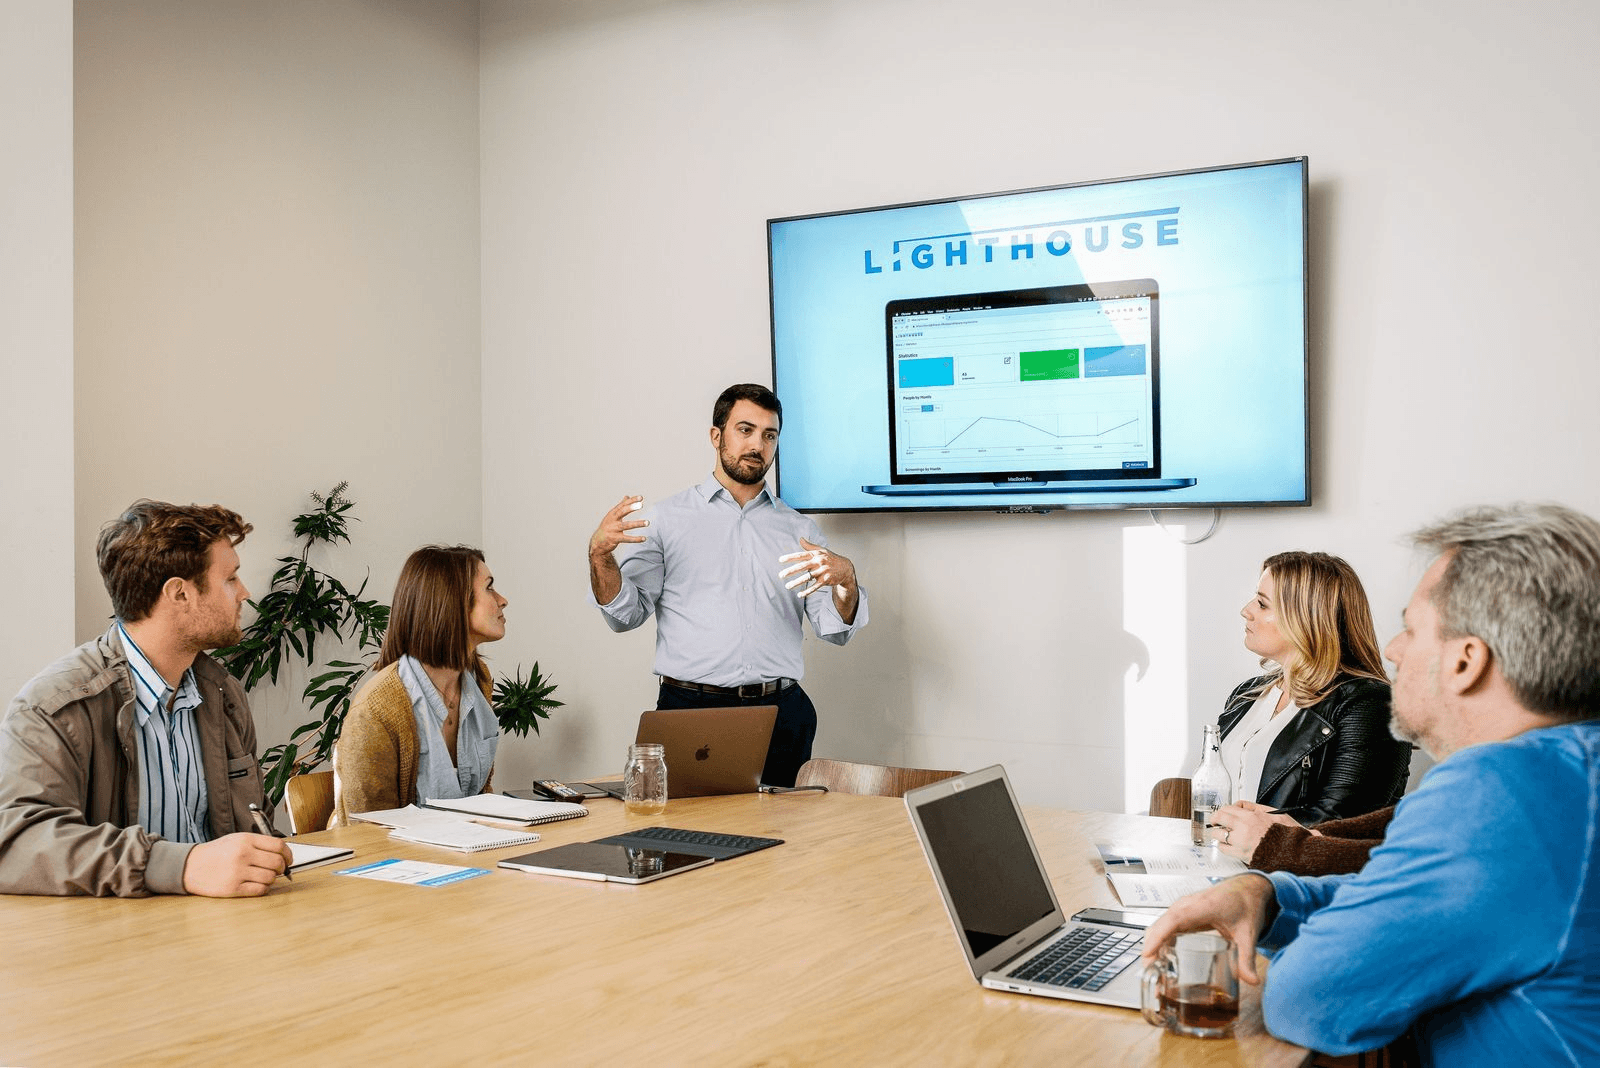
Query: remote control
(557, 791)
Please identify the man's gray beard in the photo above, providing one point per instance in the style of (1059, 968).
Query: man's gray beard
(1403, 735)
(1399, 733)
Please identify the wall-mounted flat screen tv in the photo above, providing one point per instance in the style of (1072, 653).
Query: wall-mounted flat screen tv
(1130, 343)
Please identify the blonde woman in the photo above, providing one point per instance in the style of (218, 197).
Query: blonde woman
(1310, 737)
(421, 726)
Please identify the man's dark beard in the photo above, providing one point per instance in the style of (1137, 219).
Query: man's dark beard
(731, 469)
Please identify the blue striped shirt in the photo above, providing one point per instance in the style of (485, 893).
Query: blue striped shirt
(172, 783)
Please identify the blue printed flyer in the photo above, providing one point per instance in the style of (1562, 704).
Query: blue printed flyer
(414, 872)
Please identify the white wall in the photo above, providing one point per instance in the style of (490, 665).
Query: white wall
(277, 276)
(632, 151)
(35, 336)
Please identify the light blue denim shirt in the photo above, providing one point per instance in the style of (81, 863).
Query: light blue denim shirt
(173, 797)
(708, 569)
(477, 735)
(1478, 917)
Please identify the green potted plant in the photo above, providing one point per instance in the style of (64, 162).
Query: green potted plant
(520, 704)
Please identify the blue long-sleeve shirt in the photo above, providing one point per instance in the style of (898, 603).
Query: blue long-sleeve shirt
(1478, 918)
(708, 570)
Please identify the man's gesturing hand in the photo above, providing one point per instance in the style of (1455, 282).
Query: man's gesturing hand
(605, 577)
(235, 865)
(613, 529)
(821, 567)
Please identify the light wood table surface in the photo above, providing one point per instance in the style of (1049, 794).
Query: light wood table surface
(832, 949)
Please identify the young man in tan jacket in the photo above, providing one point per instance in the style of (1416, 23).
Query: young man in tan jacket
(128, 767)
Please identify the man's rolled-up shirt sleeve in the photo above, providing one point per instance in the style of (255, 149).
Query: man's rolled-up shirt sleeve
(823, 610)
(1425, 923)
(827, 623)
(643, 573)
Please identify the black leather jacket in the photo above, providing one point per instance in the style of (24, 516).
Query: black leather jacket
(1335, 759)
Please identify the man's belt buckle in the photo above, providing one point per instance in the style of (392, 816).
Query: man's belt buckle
(752, 689)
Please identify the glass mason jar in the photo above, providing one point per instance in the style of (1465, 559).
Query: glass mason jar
(644, 779)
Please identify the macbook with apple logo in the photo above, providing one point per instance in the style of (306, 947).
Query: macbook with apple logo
(709, 751)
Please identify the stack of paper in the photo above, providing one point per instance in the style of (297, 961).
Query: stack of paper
(1156, 877)
(450, 830)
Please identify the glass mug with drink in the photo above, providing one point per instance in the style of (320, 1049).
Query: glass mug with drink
(644, 780)
(1192, 989)
(1209, 789)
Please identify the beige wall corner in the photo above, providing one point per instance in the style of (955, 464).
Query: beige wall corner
(36, 625)
(277, 276)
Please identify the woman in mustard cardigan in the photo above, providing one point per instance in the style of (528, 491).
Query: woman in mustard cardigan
(421, 726)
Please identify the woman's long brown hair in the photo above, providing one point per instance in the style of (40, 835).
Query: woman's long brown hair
(430, 617)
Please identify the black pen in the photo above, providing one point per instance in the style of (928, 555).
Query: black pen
(262, 827)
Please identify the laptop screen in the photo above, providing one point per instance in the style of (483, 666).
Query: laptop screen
(993, 880)
(1030, 385)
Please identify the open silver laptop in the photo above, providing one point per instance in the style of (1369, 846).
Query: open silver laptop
(709, 750)
(1006, 916)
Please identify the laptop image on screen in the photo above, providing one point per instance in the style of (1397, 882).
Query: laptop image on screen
(1053, 390)
(708, 750)
(1005, 914)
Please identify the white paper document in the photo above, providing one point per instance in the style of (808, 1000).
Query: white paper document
(1156, 876)
(410, 816)
(1168, 860)
(1159, 891)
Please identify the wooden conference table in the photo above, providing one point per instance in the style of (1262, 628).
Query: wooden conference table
(832, 949)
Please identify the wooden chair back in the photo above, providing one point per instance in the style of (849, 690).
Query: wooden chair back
(878, 780)
(1170, 797)
(310, 799)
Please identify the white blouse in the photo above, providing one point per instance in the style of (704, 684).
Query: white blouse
(1244, 750)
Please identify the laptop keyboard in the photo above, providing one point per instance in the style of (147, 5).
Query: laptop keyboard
(1086, 958)
(737, 843)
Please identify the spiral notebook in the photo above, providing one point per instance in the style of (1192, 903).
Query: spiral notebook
(510, 809)
(463, 836)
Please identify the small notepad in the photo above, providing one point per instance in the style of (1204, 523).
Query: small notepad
(307, 855)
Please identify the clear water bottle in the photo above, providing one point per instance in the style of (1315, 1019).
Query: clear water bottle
(1209, 789)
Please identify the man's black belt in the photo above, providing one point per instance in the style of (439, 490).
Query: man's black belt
(748, 690)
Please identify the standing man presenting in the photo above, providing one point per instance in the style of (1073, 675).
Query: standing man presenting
(730, 571)
(1475, 926)
(128, 767)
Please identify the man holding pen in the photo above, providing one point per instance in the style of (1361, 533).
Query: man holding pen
(731, 573)
(128, 767)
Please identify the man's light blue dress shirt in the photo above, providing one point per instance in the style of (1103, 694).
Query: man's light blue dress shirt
(708, 569)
